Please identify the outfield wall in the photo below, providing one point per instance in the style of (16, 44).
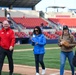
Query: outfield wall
(52, 41)
(27, 41)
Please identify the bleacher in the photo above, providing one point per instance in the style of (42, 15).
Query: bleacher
(70, 22)
(55, 35)
(21, 34)
(2, 19)
(24, 21)
(30, 22)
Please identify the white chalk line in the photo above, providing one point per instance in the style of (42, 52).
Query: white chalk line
(57, 73)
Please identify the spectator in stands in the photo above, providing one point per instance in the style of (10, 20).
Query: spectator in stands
(42, 26)
(41, 14)
(8, 16)
(66, 52)
(7, 41)
(50, 27)
(38, 41)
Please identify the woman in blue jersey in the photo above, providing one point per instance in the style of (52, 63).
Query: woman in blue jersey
(38, 41)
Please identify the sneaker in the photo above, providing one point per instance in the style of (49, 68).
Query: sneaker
(37, 73)
(43, 71)
(75, 73)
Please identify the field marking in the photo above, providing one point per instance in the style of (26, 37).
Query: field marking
(55, 73)
(19, 50)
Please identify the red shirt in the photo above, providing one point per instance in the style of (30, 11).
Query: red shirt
(7, 38)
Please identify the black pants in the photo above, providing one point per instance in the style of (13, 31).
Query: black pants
(39, 59)
(9, 54)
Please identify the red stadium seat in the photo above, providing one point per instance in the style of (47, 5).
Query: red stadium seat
(21, 34)
(71, 22)
(30, 22)
(2, 19)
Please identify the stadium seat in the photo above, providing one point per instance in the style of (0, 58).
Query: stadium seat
(30, 22)
(70, 22)
(21, 34)
(2, 19)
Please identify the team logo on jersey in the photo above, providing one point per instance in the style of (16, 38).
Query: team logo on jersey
(7, 33)
(2, 32)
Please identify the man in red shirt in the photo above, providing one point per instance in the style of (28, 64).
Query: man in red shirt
(7, 41)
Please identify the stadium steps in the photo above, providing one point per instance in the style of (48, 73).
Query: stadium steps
(54, 25)
(51, 24)
(17, 26)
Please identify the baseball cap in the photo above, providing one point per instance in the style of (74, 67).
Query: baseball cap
(65, 27)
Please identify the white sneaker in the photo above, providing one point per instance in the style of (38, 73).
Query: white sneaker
(37, 73)
(43, 71)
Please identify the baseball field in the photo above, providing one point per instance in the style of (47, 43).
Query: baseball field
(23, 55)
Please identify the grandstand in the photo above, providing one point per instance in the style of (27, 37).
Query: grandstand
(23, 21)
(71, 22)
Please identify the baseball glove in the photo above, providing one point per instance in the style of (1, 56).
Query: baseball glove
(66, 44)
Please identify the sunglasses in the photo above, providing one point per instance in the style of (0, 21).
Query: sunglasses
(36, 30)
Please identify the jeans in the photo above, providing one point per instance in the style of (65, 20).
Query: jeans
(63, 56)
(39, 59)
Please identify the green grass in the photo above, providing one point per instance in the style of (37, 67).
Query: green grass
(28, 46)
(51, 58)
(23, 46)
